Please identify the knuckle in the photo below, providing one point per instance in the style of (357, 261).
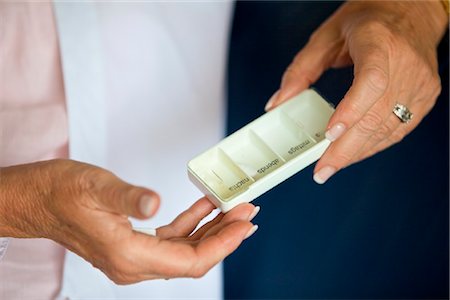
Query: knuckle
(341, 159)
(381, 33)
(396, 137)
(436, 84)
(352, 108)
(290, 72)
(111, 264)
(89, 177)
(379, 136)
(314, 37)
(369, 123)
(375, 27)
(119, 271)
(93, 182)
(199, 272)
(376, 78)
(383, 131)
(297, 70)
(198, 269)
(426, 77)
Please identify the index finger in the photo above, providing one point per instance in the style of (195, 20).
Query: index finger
(371, 77)
(187, 221)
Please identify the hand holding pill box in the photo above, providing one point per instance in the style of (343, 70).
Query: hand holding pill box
(263, 153)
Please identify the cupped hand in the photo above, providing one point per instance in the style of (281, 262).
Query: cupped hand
(86, 209)
(392, 45)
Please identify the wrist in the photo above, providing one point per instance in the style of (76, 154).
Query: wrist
(7, 228)
(22, 212)
(437, 17)
(427, 18)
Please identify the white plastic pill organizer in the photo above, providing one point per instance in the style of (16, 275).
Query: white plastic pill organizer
(263, 153)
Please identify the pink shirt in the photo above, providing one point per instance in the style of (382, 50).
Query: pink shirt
(33, 126)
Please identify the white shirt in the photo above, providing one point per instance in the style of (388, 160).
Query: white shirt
(145, 93)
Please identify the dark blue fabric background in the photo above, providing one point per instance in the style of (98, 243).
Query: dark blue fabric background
(378, 229)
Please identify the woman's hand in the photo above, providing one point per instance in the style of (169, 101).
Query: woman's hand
(392, 45)
(86, 209)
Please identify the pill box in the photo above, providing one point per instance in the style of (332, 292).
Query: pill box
(263, 153)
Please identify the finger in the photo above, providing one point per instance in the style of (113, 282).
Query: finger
(309, 64)
(158, 258)
(341, 152)
(123, 198)
(214, 249)
(371, 80)
(245, 214)
(202, 230)
(384, 132)
(244, 211)
(420, 110)
(187, 221)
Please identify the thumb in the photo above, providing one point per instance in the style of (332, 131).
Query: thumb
(309, 64)
(123, 198)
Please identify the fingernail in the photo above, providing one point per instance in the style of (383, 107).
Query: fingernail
(254, 213)
(147, 205)
(324, 174)
(335, 132)
(271, 101)
(251, 231)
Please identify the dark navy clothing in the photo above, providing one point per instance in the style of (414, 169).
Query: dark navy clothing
(378, 229)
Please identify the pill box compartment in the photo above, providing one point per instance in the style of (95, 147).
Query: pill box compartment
(217, 171)
(287, 138)
(251, 154)
(310, 113)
